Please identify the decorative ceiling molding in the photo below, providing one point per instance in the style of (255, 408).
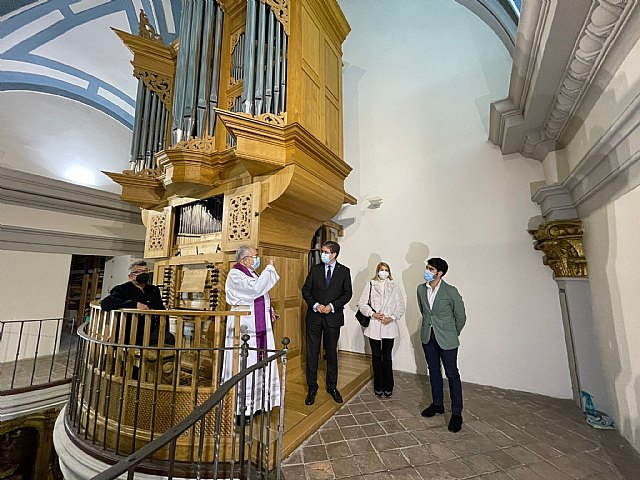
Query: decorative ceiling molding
(33, 191)
(601, 29)
(26, 239)
(559, 51)
(608, 170)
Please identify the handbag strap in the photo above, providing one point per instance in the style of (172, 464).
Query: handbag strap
(369, 301)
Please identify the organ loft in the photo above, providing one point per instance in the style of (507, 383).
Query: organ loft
(238, 140)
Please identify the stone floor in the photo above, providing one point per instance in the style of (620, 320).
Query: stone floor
(506, 435)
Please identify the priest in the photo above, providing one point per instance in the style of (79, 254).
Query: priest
(247, 291)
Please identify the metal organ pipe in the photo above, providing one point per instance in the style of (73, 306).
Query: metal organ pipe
(197, 70)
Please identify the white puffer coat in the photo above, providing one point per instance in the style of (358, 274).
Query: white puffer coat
(387, 299)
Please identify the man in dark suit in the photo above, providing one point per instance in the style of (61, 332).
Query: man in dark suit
(138, 293)
(326, 290)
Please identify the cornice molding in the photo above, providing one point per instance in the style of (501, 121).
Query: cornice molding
(602, 27)
(560, 49)
(34, 191)
(607, 171)
(26, 239)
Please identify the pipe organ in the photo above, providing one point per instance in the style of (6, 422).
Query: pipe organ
(238, 140)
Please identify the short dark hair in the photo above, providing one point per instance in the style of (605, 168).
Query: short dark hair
(439, 264)
(332, 246)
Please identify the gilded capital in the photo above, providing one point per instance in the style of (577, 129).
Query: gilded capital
(561, 243)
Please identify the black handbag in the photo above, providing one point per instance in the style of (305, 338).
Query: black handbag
(361, 317)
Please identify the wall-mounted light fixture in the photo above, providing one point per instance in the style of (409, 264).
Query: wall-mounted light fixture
(374, 202)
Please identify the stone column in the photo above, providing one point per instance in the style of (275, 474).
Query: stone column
(561, 243)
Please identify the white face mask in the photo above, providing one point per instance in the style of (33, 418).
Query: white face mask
(383, 274)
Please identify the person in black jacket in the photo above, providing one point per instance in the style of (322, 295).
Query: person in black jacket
(326, 291)
(140, 294)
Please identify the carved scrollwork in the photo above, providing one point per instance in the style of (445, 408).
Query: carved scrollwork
(146, 173)
(157, 232)
(158, 84)
(592, 45)
(280, 9)
(145, 30)
(239, 220)
(561, 242)
(204, 145)
(273, 119)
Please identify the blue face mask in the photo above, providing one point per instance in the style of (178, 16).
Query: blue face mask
(428, 276)
(256, 263)
(325, 257)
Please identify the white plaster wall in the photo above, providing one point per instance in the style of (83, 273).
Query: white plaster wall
(612, 236)
(418, 80)
(33, 286)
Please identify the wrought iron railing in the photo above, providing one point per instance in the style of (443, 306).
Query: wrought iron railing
(127, 395)
(252, 459)
(36, 353)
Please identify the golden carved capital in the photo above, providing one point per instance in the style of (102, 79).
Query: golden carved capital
(561, 243)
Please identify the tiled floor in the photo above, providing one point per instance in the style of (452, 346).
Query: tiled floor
(506, 435)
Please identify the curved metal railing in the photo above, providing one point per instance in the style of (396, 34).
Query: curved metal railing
(127, 392)
(247, 463)
(35, 354)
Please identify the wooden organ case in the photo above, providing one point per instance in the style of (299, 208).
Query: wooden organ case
(238, 140)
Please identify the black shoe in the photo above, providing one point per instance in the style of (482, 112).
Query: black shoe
(378, 393)
(431, 410)
(388, 394)
(455, 424)
(336, 395)
(311, 398)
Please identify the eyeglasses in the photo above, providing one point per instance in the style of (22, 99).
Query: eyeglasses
(138, 272)
(250, 256)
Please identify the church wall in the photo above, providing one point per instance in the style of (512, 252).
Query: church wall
(612, 235)
(418, 80)
(32, 286)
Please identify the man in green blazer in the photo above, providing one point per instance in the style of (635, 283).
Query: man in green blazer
(443, 318)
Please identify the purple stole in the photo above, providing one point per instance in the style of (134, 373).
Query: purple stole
(258, 310)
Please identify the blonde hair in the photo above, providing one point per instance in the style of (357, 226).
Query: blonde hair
(383, 264)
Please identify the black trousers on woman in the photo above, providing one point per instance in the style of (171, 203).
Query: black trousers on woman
(382, 366)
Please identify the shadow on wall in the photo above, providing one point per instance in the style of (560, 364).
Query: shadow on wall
(416, 257)
(619, 378)
(360, 281)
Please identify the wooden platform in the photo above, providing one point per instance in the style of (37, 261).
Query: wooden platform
(301, 421)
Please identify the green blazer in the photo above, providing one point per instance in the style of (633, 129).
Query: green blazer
(447, 317)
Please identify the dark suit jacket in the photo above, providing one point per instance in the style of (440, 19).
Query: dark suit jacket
(338, 293)
(127, 295)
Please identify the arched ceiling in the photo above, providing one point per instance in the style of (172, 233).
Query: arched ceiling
(67, 48)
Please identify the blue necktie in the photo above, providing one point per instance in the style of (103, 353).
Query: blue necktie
(328, 279)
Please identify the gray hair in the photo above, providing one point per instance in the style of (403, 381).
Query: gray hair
(137, 263)
(242, 252)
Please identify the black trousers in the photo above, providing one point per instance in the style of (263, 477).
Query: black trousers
(381, 360)
(437, 356)
(329, 335)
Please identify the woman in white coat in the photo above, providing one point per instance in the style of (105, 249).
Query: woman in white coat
(386, 308)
